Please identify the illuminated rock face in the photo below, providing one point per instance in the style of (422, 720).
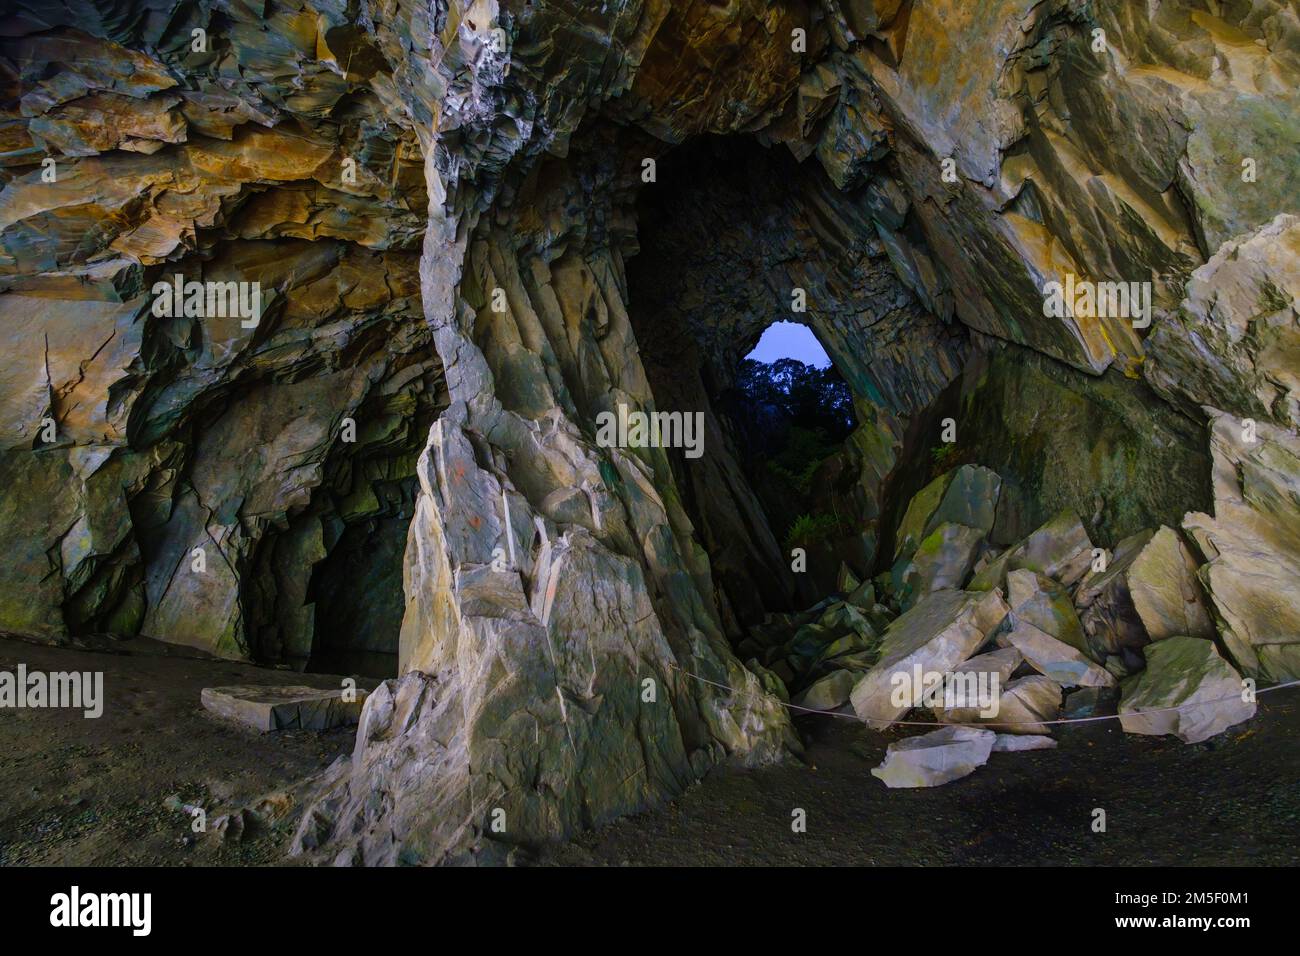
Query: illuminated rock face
(438, 203)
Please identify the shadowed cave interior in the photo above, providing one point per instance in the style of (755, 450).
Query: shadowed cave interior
(395, 474)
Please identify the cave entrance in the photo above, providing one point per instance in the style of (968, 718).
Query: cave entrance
(364, 508)
(723, 235)
(359, 599)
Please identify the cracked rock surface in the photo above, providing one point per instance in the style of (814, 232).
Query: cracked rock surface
(396, 468)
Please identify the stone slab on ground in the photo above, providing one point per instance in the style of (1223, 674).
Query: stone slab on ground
(936, 758)
(284, 708)
(1014, 743)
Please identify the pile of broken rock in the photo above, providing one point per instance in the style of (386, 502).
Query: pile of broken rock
(1059, 629)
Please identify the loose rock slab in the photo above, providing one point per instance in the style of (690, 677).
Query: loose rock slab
(1253, 550)
(942, 561)
(1059, 549)
(941, 632)
(1041, 602)
(1013, 743)
(936, 758)
(284, 708)
(1056, 659)
(1001, 662)
(1020, 708)
(1188, 674)
(830, 692)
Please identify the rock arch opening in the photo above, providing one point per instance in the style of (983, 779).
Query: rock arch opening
(732, 238)
(581, 624)
(792, 421)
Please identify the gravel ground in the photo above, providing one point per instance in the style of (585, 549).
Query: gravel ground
(100, 792)
(1232, 800)
(81, 792)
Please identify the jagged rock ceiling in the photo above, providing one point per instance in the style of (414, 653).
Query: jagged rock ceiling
(384, 169)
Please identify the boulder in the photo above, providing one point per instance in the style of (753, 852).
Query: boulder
(1091, 702)
(1187, 690)
(1026, 700)
(805, 646)
(1056, 659)
(1149, 591)
(850, 644)
(936, 758)
(285, 708)
(1060, 549)
(841, 629)
(829, 693)
(1105, 606)
(842, 616)
(1117, 666)
(942, 560)
(966, 496)
(1021, 707)
(1002, 662)
(1043, 604)
(938, 634)
(1166, 595)
(863, 597)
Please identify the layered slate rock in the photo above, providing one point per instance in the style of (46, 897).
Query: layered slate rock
(1091, 702)
(499, 147)
(541, 661)
(147, 438)
(966, 496)
(1187, 690)
(1002, 662)
(829, 693)
(1232, 342)
(1251, 546)
(1166, 594)
(942, 561)
(1044, 605)
(1014, 743)
(1101, 447)
(1027, 105)
(1105, 603)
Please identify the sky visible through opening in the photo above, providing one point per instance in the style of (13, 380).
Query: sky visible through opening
(790, 340)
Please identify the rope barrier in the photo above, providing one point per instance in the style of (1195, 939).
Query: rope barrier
(982, 723)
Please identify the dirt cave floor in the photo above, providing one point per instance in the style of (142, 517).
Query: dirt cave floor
(107, 791)
(104, 792)
(1233, 800)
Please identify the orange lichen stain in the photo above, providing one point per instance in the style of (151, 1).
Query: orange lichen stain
(475, 522)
